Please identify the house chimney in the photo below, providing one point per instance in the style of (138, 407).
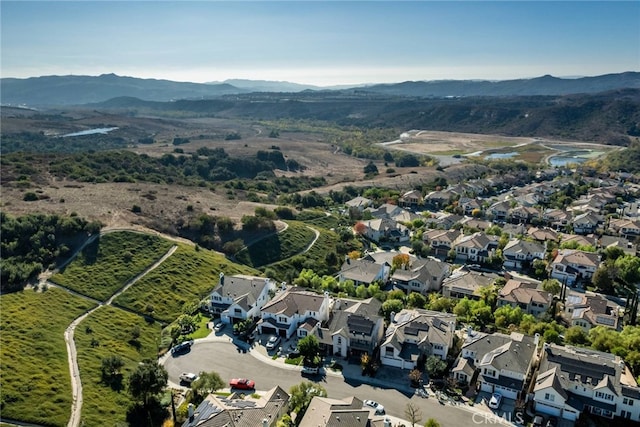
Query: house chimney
(469, 331)
(452, 326)
(221, 282)
(265, 422)
(536, 339)
(392, 317)
(190, 408)
(387, 422)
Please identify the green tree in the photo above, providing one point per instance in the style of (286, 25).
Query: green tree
(391, 306)
(147, 381)
(435, 366)
(576, 336)
(309, 348)
(508, 315)
(301, 395)
(416, 300)
(110, 370)
(206, 383)
(552, 286)
(431, 422)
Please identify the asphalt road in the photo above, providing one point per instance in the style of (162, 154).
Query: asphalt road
(225, 359)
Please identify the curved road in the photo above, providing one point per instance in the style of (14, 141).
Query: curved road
(219, 354)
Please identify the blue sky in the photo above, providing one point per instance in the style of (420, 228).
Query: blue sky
(319, 42)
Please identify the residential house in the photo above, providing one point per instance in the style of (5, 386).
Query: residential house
(557, 219)
(363, 271)
(523, 214)
(586, 223)
(438, 199)
(466, 283)
(445, 221)
(619, 242)
(499, 210)
(440, 241)
(359, 203)
(468, 205)
(526, 295)
(499, 363)
(423, 275)
(589, 310)
(239, 410)
(354, 328)
(411, 199)
(347, 412)
(625, 227)
(477, 247)
(239, 297)
(415, 334)
(521, 253)
(475, 223)
(578, 240)
(574, 380)
(386, 210)
(292, 311)
(384, 229)
(543, 234)
(573, 266)
(514, 230)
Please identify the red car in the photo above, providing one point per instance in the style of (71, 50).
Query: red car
(242, 384)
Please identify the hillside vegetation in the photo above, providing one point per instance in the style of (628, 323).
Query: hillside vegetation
(278, 246)
(36, 386)
(109, 262)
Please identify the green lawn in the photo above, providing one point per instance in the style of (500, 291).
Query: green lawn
(36, 386)
(108, 331)
(186, 276)
(277, 246)
(110, 262)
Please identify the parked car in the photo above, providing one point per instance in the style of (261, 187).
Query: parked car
(494, 402)
(273, 342)
(218, 326)
(182, 347)
(375, 405)
(552, 422)
(538, 421)
(188, 377)
(242, 384)
(310, 370)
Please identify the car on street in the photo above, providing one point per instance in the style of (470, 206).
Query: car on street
(182, 347)
(242, 384)
(494, 402)
(273, 342)
(375, 405)
(538, 421)
(310, 370)
(188, 377)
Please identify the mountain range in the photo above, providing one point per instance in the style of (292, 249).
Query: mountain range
(77, 90)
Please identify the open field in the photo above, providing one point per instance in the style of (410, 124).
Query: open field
(109, 262)
(186, 276)
(36, 386)
(110, 331)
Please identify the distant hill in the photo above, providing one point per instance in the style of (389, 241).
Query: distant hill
(545, 85)
(78, 90)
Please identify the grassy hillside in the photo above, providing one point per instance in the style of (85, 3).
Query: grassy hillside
(111, 331)
(110, 262)
(36, 386)
(186, 276)
(276, 247)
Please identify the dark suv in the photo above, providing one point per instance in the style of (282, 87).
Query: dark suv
(182, 347)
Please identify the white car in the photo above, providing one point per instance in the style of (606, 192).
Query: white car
(375, 405)
(188, 377)
(218, 327)
(494, 402)
(273, 342)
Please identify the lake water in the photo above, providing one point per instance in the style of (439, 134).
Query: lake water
(576, 156)
(102, 131)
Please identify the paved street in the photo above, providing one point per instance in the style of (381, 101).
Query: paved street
(220, 355)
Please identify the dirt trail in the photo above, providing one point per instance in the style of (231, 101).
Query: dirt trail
(76, 383)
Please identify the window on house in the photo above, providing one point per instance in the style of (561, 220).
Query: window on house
(303, 333)
(604, 396)
(388, 351)
(627, 401)
(550, 397)
(216, 298)
(237, 311)
(339, 340)
(282, 319)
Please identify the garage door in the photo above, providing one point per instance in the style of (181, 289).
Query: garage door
(546, 409)
(506, 392)
(486, 387)
(267, 330)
